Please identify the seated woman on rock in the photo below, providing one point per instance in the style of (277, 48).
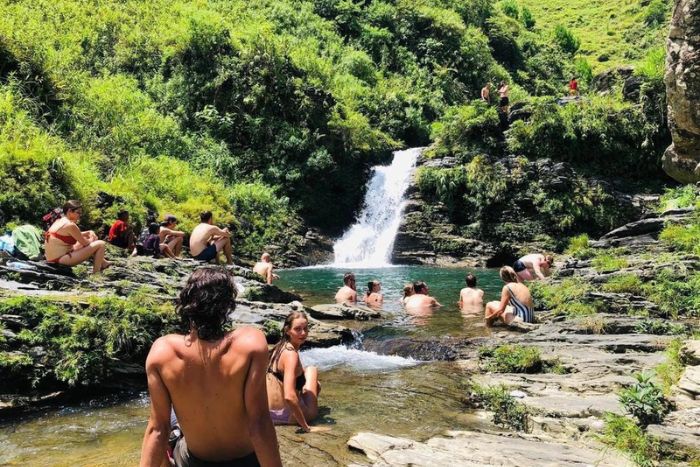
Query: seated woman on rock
(372, 297)
(67, 245)
(516, 302)
(292, 391)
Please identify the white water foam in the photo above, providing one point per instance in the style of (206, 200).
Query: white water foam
(368, 243)
(355, 359)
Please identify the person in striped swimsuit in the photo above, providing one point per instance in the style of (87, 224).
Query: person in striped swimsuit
(516, 302)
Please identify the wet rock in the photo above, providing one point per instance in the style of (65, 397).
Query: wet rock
(604, 82)
(682, 159)
(344, 311)
(470, 448)
(268, 293)
(420, 349)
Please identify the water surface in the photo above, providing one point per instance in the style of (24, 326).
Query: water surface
(362, 391)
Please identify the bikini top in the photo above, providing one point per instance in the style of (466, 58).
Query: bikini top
(300, 381)
(67, 239)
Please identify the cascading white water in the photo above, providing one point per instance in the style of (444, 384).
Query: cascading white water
(369, 241)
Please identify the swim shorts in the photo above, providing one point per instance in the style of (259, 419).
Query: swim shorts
(207, 254)
(184, 458)
(519, 266)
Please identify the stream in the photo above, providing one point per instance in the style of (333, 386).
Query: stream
(362, 391)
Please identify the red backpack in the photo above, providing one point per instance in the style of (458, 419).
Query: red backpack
(51, 217)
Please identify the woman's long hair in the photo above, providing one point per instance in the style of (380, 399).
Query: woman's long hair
(370, 286)
(284, 340)
(508, 274)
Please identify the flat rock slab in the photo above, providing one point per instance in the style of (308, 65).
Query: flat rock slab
(471, 449)
(343, 311)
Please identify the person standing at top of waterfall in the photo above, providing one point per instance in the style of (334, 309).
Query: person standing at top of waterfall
(214, 382)
(533, 266)
(504, 92)
(348, 292)
(264, 268)
(208, 240)
(372, 297)
(486, 93)
(471, 299)
(420, 297)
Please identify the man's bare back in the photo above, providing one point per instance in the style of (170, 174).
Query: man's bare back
(201, 236)
(346, 295)
(421, 301)
(217, 389)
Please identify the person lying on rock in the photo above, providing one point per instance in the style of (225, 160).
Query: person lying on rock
(292, 391)
(420, 298)
(213, 380)
(516, 303)
(373, 297)
(471, 299)
(65, 244)
(208, 240)
(171, 237)
(121, 233)
(348, 292)
(534, 265)
(264, 268)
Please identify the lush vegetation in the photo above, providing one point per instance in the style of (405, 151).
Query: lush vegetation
(644, 400)
(67, 344)
(511, 359)
(271, 113)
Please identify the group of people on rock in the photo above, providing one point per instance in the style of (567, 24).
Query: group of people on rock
(67, 245)
(515, 303)
(216, 394)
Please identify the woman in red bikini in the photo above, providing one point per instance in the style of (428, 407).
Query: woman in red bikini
(67, 245)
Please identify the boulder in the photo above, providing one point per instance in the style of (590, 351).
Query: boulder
(682, 158)
(343, 311)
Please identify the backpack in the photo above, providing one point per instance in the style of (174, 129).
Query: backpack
(28, 240)
(51, 217)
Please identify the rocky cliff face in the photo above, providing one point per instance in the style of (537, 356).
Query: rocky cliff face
(682, 159)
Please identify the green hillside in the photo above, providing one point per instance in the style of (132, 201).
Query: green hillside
(271, 113)
(612, 32)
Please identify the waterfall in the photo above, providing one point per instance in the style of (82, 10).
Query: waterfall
(369, 241)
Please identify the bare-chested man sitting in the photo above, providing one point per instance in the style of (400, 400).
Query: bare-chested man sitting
(348, 292)
(207, 240)
(533, 266)
(471, 299)
(420, 297)
(213, 380)
(264, 268)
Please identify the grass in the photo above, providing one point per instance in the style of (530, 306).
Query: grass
(567, 297)
(609, 262)
(660, 327)
(616, 29)
(624, 283)
(578, 247)
(671, 370)
(624, 434)
(507, 412)
(511, 359)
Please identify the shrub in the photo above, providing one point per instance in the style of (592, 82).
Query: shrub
(528, 19)
(655, 13)
(624, 283)
(683, 237)
(584, 71)
(511, 359)
(507, 412)
(567, 298)
(566, 40)
(645, 401)
(684, 196)
(660, 327)
(578, 247)
(675, 295)
(653, 66)
(467, 129)
(510, 8)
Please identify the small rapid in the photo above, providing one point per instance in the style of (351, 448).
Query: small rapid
(355, 359)
(368, 243)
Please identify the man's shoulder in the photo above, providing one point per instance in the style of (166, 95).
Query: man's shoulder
(162, 348)
(248, 339)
